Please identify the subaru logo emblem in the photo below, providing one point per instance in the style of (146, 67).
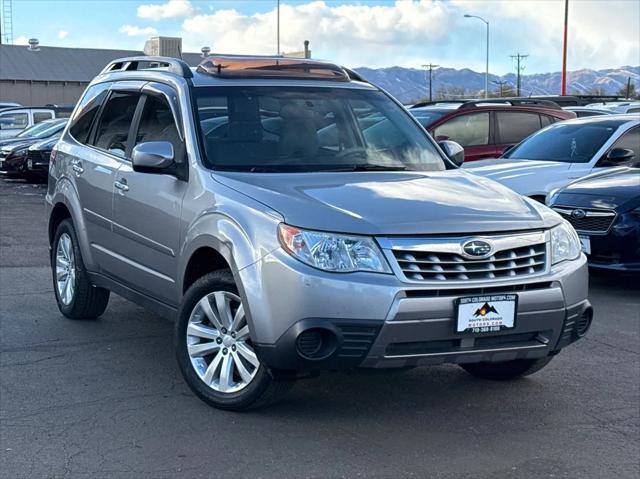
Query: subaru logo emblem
(476, 248)
(578, 214)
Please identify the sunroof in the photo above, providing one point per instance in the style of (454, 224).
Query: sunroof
(272, 67)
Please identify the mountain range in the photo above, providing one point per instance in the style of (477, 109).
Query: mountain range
(411, 84)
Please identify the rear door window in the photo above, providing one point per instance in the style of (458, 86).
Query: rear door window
(514, 126)
(546, 120)
(39, 116)
(467, 130)
(113, 127)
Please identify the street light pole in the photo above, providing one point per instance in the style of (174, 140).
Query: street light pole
(430, 66)
(486, 78)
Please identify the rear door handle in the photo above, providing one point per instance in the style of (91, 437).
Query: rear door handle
(122, 185)
(77, 167)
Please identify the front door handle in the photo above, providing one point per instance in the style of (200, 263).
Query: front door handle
(122, 185)
(77, 167)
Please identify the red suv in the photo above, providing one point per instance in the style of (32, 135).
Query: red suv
(486, 128)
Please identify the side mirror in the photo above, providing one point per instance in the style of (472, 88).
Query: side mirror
(453, 150)
(620, 155)
(152, 157)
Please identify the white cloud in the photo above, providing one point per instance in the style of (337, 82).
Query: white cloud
(22, 40)
(413, 32)
(135, 31)
(170, 9)
(62, 34)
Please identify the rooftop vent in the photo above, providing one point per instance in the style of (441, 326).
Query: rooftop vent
(34, 45)
(205, 51)
(164, 47)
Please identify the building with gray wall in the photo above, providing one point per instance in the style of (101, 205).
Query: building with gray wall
(55, 75)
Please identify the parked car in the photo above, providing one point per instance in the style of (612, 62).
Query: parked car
(15, 120)
(582, 111)
(283, 253)
(563, 152)
(486, 128)
(38, 156)
(604, 208)
(39, 131)
(13, 155)
(618, 106)
(8, 104)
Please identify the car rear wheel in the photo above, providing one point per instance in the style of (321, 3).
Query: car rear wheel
(76, 296)
(507, 370)
(214, 348)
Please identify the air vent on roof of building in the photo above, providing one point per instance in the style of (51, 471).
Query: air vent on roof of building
(164, 47)
(205, 51)
(34, 45)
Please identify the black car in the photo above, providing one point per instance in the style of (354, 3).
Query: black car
(13, 154)
(604, 208)
(38, 156)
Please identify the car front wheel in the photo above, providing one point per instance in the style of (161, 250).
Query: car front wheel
(215, 351)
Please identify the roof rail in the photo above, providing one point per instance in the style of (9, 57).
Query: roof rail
(524, 101)
(353, 75)
(437, 102)
(534, 102)
(173, 65)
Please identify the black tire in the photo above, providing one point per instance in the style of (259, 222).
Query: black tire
(507, 370)
(88, 301)
(262, 391)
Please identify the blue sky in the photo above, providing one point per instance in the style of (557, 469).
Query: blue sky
(603, 34)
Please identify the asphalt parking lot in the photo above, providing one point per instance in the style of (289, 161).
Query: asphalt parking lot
(105, 398)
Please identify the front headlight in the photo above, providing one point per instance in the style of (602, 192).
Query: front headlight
(333, 252)
(565, 243)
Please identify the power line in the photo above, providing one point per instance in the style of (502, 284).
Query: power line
(430, 66)
(519, 69)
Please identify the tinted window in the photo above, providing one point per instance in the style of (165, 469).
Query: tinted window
(86, 111)
(583, 113)
(14, 121)
(630, 141)
(32, 131)
(309, 129)
(566, 142)
(157, 124)
(515, 126)
(467, 130)
(115, 121)
(633, 110)
(39, 116)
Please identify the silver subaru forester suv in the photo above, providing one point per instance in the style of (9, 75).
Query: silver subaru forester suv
(295, 218)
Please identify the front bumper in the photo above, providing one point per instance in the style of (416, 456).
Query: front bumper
(380, 321)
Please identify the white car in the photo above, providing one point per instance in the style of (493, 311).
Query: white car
(563, 152)
(618, 106)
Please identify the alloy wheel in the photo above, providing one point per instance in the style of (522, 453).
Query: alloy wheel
(218, 343)
(65, 269)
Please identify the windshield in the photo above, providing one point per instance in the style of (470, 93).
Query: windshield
(275, 129)
(42, 130)
(566, 142)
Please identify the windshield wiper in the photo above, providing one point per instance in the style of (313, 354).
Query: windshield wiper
(369, 167)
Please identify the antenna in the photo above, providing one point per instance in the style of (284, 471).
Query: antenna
(6, 26)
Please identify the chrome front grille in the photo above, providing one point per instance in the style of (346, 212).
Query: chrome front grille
(588, 220)
(444, 260)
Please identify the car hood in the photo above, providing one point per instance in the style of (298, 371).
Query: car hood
(613, 189)
(23, 143)
(11, 141)
(501, 169)
(392, 203)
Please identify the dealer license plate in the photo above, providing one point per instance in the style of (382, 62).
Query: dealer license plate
(486, 314)
(585, 242)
